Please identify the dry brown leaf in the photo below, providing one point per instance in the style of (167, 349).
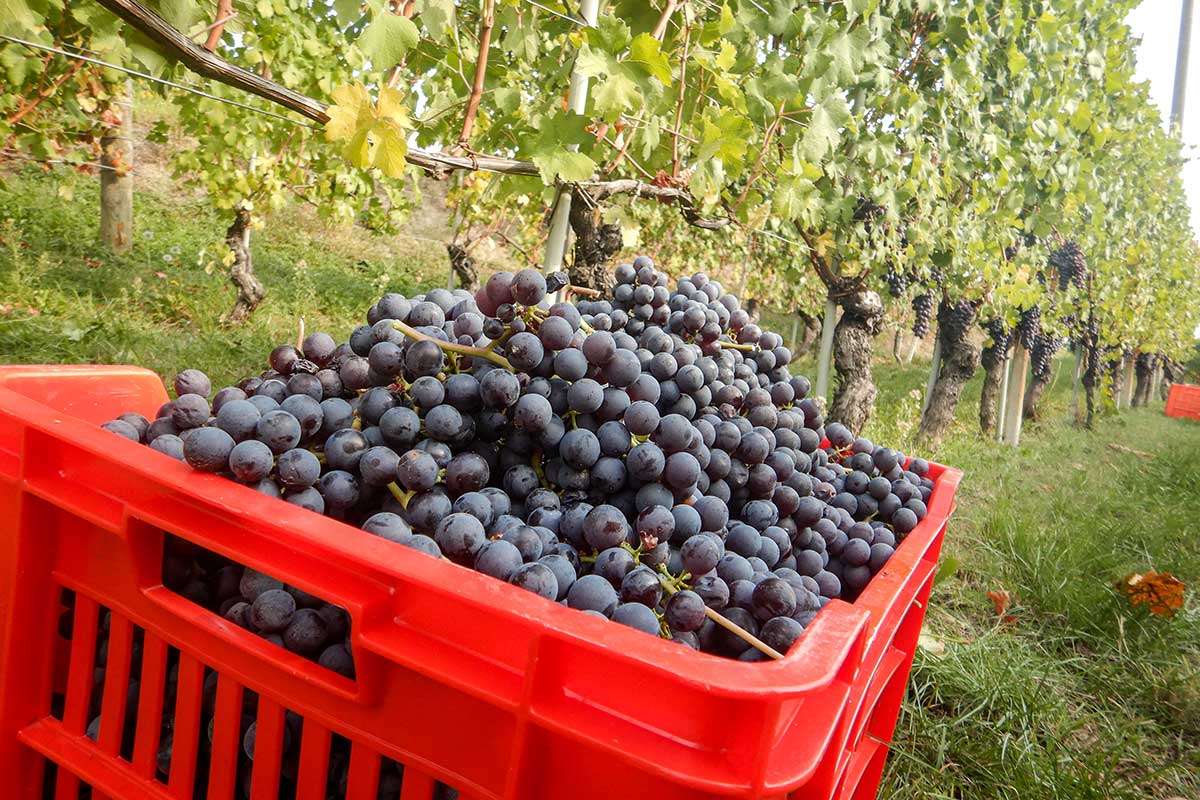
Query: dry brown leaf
(1162, 591)
(1002, 599)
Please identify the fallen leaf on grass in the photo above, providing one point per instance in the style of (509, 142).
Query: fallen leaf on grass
(1002, 599)
(935, 647)
(1162, 591)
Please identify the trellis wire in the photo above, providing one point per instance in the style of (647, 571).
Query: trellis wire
(163, 81)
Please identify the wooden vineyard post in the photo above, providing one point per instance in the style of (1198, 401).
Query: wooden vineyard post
(823, 357)
(116, 176)
(934, 368)
(556, 242)
(1015, 410)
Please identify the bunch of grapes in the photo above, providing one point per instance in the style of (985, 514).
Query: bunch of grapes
(922, 306)
(1043, 350)
(867, 211)
(956, 319)
(897, 281)
(646, 456)
(1029, 327)
(999, 334)
(1070, 264)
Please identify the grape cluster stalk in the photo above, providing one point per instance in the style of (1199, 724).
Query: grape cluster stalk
(646, 456)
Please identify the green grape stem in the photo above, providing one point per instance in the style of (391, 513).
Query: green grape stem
(453, 347)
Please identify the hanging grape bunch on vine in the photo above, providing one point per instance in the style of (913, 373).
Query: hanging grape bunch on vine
(1044, 348)
(957, 319)
(1029, 327)
(922, 306)
(1070, 265)
(999, 334)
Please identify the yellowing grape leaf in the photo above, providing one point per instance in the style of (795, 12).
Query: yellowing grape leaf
(374, 133)
(1161, 591)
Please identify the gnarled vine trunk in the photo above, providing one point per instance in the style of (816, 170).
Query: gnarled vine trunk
(960, 360)
(463, 266)
(1142, 368)
(1118, 379)
(854, 395)
(993, 361)
(1090, 375)
(1033, 396)
(595, 244)
(241, 273)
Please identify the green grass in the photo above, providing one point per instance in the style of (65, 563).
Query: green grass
(161, 305)
(1081, 697)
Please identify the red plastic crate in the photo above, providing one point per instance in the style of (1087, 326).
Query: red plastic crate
(1183, 401)
(460, 678)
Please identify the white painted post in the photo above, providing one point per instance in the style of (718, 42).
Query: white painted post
(827, 326)
(556, 242)
(1008, 362)
(795, 332)
(1015, 411)
(934, 369)
(912, 350)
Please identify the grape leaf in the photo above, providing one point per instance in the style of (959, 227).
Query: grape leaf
(559, 162)
(615, 95)
(646, 53)
(374, 135)
(347, 11)
(17, 18)
(388, 38)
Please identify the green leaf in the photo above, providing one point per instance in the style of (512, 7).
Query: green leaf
(146, 51)
(611, 34)
(347, 11)
(559, 162)
(17, 18)
(727, 56)
(1081, 120)
(183, 14)
(615, 95)
(821, 136)
(438, 17)
(646, 53)
(726, 137)
(388, 38)
(592, 62)
(1017, 61)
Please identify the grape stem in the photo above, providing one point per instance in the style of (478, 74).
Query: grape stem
(402, 497)
(496, 343)
(732, 627)
(749, 348)
(453, 347)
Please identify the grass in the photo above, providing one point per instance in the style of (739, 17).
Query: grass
(1080, 697)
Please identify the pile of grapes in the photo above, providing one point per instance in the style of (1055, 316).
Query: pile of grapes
(645, 457)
